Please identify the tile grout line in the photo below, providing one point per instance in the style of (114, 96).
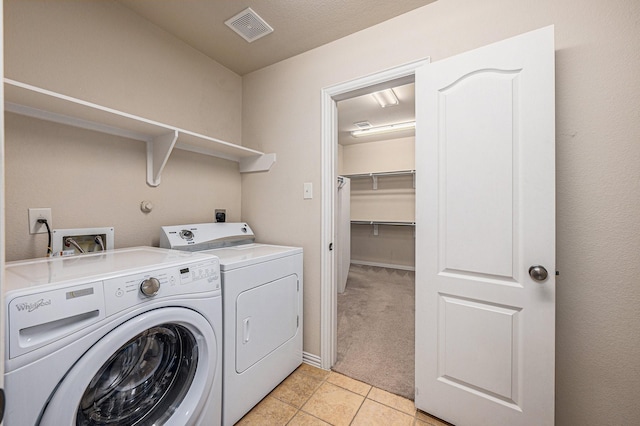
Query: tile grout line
(298, 410)
(371, 387)
(361, 404)
(414, 415)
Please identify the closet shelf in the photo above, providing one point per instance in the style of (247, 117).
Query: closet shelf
(161, 139)
(375, 223)
(375, 175)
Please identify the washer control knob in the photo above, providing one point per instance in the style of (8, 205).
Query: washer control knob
(150, 287)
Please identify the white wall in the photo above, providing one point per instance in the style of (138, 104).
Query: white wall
(394, 198)
(598, 194)
(393, 247)
(380, 156)
(104, 53)
(90, 179)
(393, 201)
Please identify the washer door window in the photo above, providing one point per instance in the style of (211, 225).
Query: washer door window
(161, 375)
(144, 381)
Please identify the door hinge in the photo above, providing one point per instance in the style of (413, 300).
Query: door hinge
(330, 246)
(298, 285)
(297, 321)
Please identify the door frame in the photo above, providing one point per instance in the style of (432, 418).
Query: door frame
(402, 74)
(2, 212)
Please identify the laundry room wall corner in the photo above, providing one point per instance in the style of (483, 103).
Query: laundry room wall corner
(104, 53)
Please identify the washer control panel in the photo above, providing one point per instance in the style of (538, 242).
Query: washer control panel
(186, 234)
(131, 290)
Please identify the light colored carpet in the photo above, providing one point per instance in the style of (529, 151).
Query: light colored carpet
(376, 328)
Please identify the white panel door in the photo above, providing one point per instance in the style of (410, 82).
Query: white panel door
(485, 209)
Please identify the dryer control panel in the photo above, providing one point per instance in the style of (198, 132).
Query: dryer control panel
(205, 236)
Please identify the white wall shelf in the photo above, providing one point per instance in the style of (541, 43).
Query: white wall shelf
(375, 175)
(161, 139)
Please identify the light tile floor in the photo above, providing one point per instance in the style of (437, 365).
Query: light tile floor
(312, 396)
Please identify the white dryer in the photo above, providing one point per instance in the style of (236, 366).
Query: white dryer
(262, 309)
(122, 337)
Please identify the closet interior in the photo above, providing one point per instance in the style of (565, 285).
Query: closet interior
(375, 222)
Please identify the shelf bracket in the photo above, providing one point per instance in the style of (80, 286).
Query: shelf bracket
(375, 182)
(158, 151)
(375, 229)
(257, 163)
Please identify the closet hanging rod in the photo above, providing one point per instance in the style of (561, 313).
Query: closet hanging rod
(375, 222)
(397, 172)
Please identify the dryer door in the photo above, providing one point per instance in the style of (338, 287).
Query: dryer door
(156, 368)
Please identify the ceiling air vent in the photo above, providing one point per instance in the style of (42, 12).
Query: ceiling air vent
(249, 25)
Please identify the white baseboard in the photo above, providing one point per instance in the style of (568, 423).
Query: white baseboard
(311, 359)
(383, 265)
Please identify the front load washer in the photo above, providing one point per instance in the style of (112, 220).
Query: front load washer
(121, 337)
(262, 309)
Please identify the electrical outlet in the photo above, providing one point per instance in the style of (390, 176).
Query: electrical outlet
(220, 215)
(34, 215)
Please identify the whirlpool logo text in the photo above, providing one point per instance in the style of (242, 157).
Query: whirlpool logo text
(30, 307)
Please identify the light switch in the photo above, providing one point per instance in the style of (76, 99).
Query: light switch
(308, 191)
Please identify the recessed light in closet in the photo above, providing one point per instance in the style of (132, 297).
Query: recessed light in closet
(386, 98)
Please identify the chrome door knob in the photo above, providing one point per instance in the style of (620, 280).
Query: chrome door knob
(538, 273)
(150, 287)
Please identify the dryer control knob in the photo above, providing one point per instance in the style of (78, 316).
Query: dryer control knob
(150, 287)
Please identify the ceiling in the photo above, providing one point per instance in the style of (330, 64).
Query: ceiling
(365, 108)
(298, 25)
